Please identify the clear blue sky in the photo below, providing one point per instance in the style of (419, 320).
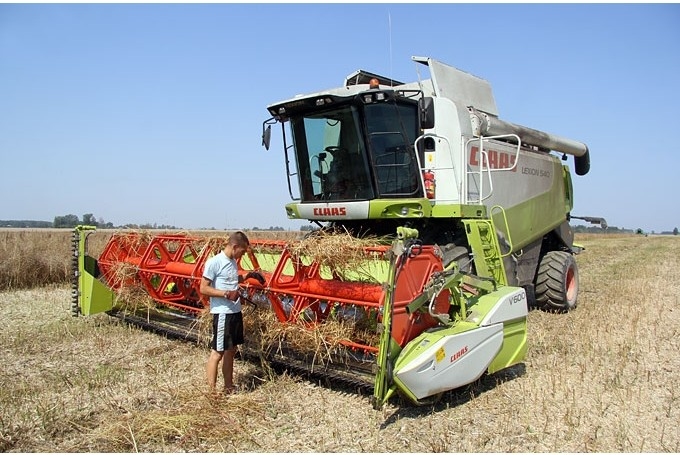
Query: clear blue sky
(153, 113)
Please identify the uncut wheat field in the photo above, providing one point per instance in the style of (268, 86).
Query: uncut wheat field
(602, 378)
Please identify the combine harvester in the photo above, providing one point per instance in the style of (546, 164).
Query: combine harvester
(459, 221)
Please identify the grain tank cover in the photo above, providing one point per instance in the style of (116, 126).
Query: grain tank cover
(461, 87)
(364, 77)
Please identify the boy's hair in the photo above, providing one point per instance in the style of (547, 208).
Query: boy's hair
(238, 238)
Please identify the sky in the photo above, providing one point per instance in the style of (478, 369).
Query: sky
(152, 113)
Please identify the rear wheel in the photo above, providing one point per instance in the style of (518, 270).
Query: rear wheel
(557, 282)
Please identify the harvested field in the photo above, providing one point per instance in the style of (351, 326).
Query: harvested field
(603, 378)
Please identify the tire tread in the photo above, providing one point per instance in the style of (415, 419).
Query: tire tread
(550, 285)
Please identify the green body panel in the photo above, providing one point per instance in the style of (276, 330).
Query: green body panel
(372, 270)
(93, 296)
(369, 271)
(532, 218)
(418, 208)
(514, 346)
(267, 263)
(394, 208)
(458, 211)
(481, 235)
(568, 189)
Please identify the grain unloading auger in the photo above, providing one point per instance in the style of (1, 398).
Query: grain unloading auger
(461, 220)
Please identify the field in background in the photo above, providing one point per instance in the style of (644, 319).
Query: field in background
(37, 257)
(603, 378)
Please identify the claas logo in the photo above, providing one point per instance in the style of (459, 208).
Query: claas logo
(330, 211)
(496, 159)
(459, 354)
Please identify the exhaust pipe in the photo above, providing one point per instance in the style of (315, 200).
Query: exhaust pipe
(487, 125)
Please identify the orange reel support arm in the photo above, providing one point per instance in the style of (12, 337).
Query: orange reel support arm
(169, 267)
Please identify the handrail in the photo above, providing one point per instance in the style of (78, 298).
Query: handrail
(507, 228)
(484, 159)
(422, 168)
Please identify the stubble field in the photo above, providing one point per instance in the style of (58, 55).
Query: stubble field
(603, 378)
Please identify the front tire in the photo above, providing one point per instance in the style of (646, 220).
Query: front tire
(557, 282)
(459, 254)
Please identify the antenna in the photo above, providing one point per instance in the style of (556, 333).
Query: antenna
(420, 81)
(389, 23)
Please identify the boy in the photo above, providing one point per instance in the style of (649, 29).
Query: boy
(220, 283)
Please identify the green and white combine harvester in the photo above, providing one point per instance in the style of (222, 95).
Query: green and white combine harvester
(468, 216)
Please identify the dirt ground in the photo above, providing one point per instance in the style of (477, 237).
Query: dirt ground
(602, 378)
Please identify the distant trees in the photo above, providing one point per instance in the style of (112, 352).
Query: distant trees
(90, 220)
(71, 221)
(616, 230)
(579, 228)
(271, 228)
(66, 221)
(25, 224)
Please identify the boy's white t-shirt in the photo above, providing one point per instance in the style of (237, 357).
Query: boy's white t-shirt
(223, 274)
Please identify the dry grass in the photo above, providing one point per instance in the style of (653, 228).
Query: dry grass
(38, 257)
(603, 378)
(267, 336)
(342, 254)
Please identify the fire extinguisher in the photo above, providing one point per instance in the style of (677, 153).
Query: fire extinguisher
(428, 178)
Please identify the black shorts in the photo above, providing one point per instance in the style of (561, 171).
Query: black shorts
(227, 331)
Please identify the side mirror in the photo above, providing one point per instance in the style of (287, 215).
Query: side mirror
(266, 135)
(426, 108)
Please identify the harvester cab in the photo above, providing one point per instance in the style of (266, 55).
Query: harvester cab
(438, 224)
